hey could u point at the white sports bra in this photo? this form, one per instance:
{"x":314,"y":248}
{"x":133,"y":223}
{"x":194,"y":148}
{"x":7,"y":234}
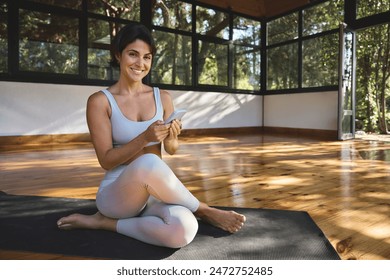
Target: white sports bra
{"x":125,"y":130}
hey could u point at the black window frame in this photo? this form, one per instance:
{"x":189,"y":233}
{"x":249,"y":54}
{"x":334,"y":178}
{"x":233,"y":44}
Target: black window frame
{"x":14,"y":74}
{"x":350,"y":18}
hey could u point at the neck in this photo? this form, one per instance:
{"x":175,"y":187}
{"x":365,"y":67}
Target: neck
{"x":133,"y":88}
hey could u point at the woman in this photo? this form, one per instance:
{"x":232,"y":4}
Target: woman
{"x":140,"y":196}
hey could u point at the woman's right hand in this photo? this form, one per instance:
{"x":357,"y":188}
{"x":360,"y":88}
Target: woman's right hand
{"x":157,"y":131}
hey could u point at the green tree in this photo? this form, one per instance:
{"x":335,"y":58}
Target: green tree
{"x":373,"y":79}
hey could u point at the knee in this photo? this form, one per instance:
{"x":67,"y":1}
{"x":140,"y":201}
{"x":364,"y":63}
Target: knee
{"x":147,"y":164}
{"x":183,"y":231}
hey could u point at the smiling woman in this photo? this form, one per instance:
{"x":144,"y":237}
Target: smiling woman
{"x":140,"y":196}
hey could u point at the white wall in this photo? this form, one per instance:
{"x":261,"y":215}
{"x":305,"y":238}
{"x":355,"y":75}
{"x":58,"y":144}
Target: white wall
{"x":41,"y":109}
{"x":304,"y":110}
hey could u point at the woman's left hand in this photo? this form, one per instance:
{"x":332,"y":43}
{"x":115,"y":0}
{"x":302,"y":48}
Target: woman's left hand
{"x":174,"y":130}
{"x":171,"y":143}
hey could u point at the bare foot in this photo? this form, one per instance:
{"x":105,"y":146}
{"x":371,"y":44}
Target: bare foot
{"x":96,"y":221}
{"x":227,"y":220}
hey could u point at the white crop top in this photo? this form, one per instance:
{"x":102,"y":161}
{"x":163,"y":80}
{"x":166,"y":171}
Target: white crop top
{"x":125,"y":130}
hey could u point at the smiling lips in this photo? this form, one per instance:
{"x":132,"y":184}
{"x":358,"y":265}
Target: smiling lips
{"x":137,"y":71}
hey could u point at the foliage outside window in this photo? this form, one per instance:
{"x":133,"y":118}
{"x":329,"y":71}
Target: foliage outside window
{"x":72,"y":4}
{"x":129,"y":10}
{"x":323,"y":17}
{"x":213,"y":64}
{"x":282,"y":67}
{"x":212,"y":23}
{"x":48,"y":43}
{"x":3,"y":39}
{"x":320,"y":61}
{"x":282,"y":29}
{"x":246,"y":68}
{"x":246,"y":53}
{"x":172,"y":14}
{"x":100,"y":34}
{"x":372,"y":7}
{"x":373,"y":79}
{"x":246,"y":31}
{"x":172,"y":63}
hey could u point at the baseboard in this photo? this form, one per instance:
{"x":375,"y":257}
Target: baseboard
{"x":9,"y":143}
{"x":82,"y":139}
{"x":222,"y":131}
{"x":319,"y":134}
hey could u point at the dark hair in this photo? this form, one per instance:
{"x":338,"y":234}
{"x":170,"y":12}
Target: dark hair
{"x":128,"y":34}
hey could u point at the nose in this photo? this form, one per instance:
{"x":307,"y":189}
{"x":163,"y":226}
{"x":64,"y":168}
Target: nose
{"x":138,"y":61}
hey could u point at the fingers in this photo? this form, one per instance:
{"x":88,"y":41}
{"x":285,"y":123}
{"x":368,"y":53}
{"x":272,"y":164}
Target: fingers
{"x":175,"y":128}
{"x":157,"y":131}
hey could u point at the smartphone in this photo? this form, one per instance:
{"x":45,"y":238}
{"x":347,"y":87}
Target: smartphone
{"x":177,"y":114}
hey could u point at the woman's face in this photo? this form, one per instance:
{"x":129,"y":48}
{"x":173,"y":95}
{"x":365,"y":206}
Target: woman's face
{"x":135,"y":60}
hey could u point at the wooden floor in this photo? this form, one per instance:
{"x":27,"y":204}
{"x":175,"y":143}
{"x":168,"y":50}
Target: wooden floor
{"x":344,"y":186}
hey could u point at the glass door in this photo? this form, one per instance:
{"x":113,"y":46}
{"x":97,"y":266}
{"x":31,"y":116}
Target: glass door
{"x":346,"y":102}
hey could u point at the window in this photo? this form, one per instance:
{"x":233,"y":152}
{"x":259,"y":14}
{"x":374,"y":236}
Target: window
{"x":246,"y":68}
{"x":246,"y":54}
{"x":172,"y":63}
{"x":48,"y":42}
{"x":100,"y":34}
{"x":282,"y":29}
{"x":212,"y":23}
{"x":129,"y":10}
{"x":320,"y":61}
{"x":246,"y":31}
{"x":323,"y":17}
{"x":282,"y":67}
{"x":372,"y":7}
{"x":3,"y":38}
{"x":213,"y":64}
{"x":173,"y":14}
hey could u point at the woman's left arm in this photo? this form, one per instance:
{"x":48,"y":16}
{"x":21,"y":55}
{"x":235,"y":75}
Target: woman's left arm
{"x":171,"y":142}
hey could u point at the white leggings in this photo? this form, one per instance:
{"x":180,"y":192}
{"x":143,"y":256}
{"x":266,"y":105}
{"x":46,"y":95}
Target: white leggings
{"x":150,"y":203}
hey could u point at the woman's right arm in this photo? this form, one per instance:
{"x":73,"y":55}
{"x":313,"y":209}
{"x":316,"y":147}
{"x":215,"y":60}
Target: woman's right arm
{"x":99,"y":124}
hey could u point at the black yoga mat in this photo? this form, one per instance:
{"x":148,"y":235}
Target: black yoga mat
{"x":28,"y":223}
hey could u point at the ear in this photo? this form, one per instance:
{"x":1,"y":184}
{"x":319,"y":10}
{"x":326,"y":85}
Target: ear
{"x":118,"y":57}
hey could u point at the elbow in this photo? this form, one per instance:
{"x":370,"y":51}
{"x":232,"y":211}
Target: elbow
{"x":105,"y":165}
{"x":171,"y":147}
{"x":171,"y":150}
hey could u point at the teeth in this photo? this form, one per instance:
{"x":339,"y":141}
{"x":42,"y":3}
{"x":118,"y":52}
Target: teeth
{"x":136,"y":70}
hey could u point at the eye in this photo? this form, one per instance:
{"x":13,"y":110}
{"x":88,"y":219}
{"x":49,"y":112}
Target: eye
{"x":148,"y":57}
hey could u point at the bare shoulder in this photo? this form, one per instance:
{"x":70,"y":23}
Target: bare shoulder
{"x":165,"y":97}
{"x":97,"y":97}
{"x":98,"y":101}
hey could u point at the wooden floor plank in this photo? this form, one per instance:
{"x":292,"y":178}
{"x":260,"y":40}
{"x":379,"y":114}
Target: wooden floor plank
{"x":344,"y":186}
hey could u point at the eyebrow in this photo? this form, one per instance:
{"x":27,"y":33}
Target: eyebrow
{"x":133,"y":50}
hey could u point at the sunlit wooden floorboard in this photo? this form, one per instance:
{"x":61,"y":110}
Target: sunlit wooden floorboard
{"x":344,"y":186}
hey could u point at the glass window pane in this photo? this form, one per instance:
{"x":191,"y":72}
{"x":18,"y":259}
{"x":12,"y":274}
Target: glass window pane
{"x":323,"y":17}
{"x":72,"y":4}
{"x":320,"y":61}
{"x":282,"y":29}
{"x":372,"y":7}
{"x":246,"y":71}
{"x":212,"y":23}
{"x":3,"y":38}
{"x":116,"y":8}
{"x":246,"y":31}
{"x":213,"y":64}
{"x":100,"y":34}
{"x":173,"y":14}
{"x":282,"y":67}
{"x":172,"y":63}
{"x":48,"y":43}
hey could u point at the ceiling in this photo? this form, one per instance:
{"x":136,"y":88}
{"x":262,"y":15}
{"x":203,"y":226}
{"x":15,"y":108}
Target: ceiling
{"x":258,"y":8}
